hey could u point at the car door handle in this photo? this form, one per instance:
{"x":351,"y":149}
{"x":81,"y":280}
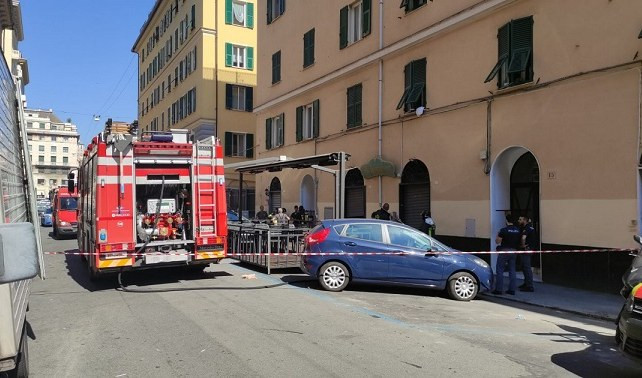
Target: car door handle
{"x":350,"y":244}
{"x":430,"y":254}
{"x":401,"y":253}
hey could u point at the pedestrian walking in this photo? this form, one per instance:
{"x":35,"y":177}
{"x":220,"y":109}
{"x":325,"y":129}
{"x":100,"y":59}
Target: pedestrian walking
{"x":382,"y":213}
{"x":509,"y":239}
{"x":529,"y":243}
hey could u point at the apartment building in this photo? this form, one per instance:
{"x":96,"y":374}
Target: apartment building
{"x":467,"y":109}
{"x":54,"y":148}
{"x":197,"y":71}
{"x":11,"y":35}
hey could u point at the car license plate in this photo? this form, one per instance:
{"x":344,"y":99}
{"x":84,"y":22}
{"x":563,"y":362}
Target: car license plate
{"x":156,"y":259}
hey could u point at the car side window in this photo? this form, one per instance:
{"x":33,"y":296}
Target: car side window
{"x":370,"y":232}
{"x":407,"y":238}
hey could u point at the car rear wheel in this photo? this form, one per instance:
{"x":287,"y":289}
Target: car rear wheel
{"x":462,"y":286}
{"x":334,"y":276}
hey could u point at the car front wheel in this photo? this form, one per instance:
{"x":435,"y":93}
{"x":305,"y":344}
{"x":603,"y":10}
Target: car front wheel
{"x":462,"y":286}
{"x":334,"y":276}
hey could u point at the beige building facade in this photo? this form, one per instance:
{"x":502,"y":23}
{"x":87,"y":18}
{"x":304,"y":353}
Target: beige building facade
{"x":197,"y":71}
{"x":466,"y":109}
{"x":54,"y":148}
{"x":11,"y":35}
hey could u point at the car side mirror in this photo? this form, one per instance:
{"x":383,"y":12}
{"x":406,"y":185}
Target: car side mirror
{"x":18,"y":252}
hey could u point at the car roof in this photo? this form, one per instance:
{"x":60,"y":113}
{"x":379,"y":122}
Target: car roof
{"x":335,"y":222}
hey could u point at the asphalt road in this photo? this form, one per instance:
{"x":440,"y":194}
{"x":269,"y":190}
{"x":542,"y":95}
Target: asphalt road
{"x":295,"y":329}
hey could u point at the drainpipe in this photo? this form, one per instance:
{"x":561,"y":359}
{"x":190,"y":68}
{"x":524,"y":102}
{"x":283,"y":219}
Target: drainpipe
{"x":380,"y":139}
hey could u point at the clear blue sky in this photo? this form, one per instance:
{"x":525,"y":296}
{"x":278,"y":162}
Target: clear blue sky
{"x":80,"y":59}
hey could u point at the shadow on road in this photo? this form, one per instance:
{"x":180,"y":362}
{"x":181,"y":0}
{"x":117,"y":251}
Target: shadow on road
{"x":600,"y":358}
{"x":77,"y":269}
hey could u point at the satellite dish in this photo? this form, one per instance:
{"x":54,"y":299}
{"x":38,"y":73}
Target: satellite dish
{"x":420,"y":111}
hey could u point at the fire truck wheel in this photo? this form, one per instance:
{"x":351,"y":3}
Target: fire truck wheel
{"x":93,"y":275}
{"x":22,"y":362}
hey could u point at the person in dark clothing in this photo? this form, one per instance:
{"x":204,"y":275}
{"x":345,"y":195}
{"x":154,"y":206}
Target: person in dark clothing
{"x":296,"y":219}
{"x":262,"y":214}
{"x":428,"y":225}
{"x":509,"y":239}
{"x":382,"y":213}
{"x":529,"y":243}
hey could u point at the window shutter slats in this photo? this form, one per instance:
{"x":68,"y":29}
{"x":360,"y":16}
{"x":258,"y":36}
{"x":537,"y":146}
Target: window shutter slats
{"x":268,"y":133}
{"x":299,"y":123}
{"x":269,"y":11}
{"x":521,"y":33}
{"x":282,"y":130}
{"x":366,"y":17}
{"x":249,"y":99}
{"x":250,"y":58}
{"x":343,"y":27}
{"x":357,"y":105}
{"x":228,"y":55}
{"x":503,"y":40}
{"x":249,"y":145}
{"x":228,"y":143}
{"x":249,"y":16}
{"x":350,"y":111}
{"x":228,"y":96}
{"x":315,"y":119}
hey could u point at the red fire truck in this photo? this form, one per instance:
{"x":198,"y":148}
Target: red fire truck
{"x":151,"y":201}
{"x":64,"y":215}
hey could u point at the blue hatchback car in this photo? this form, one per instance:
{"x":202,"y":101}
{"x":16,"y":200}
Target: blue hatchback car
{"x":398,"y":255}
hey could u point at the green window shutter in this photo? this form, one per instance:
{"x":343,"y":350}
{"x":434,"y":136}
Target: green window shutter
{"x":350,"y":110}
{"x":311,"y":46}
{"x":299,"y":123}
{"x":250,"y":58}
{"x":228,"y":55}
{"x":228,"y":12}
{"x":269,"y":11}
{"x":194,"y":59}
{"x":407,"y":71}
{"x":503,"y":51}
{"x":417,"y":95}
{"x":343,"y":27}
{"x":282,"y":6}
{"x":521,"y":47}
{"x":249,"y":145}
{"x":268,"y":133}
{"x":315,"y":119}
{"x":357,"y":105}
{"x":276,"y":67}
{"x":249,"y":15}
{"x":249,"y":99}
{"x":228,"y":96}
{"x":228,"y":144}
{"x":193,"y":21}
{"x":366,"y":17}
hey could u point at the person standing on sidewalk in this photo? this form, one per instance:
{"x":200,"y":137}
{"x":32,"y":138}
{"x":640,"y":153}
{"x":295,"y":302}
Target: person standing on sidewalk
{"x":508,"y":239}
{"x":382,"y":213}
{"x":529,"y":243}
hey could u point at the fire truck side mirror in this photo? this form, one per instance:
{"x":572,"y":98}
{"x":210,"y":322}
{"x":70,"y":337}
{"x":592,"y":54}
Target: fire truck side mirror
{"x":18,"y":252}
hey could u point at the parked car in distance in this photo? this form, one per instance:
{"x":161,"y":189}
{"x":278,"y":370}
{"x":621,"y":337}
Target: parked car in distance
{"x":45,"y":218}
{"x":399,"y":255}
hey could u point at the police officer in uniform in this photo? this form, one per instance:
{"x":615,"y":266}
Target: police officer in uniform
{"x":382,"y":213}
{"x":508,"y":239}
{"x":529,"y":242}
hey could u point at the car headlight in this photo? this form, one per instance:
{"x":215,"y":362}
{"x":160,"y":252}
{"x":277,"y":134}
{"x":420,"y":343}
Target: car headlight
{"x":481,"y":263}
{"x":63,"y":223}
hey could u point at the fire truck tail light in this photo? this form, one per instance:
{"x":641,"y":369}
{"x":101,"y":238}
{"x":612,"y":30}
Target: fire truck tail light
{"x":116,"y":247}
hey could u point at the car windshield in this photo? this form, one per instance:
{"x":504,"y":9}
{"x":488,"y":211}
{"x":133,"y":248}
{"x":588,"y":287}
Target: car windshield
{"x":68,"y":203}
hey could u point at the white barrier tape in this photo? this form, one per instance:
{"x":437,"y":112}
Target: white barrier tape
{"x":128,"y":255}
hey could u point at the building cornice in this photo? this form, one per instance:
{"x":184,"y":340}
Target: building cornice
{"x":477,"y":11}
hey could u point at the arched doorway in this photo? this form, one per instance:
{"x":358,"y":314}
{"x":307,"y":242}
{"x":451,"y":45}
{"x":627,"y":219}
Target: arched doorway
{"x":515,"y":188}
{"x":414,"y":193}
{"x":355,"y":194}
{"x":308,"y":197}
{"x":274,"y":197}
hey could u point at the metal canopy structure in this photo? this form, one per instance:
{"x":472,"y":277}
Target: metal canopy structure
{"x":319,"y":162}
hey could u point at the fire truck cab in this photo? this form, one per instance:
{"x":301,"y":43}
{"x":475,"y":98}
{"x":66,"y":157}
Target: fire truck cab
{"x":64,"y":212}
{"x":151,"y":201}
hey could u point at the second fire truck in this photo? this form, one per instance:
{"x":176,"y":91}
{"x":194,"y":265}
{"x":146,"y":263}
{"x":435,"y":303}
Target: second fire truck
{"x":150,"y":201}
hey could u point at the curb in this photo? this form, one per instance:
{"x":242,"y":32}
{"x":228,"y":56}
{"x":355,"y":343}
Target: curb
{"x":574,"y":312}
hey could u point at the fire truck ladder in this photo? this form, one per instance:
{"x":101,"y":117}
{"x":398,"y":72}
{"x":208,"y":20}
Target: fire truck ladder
{"x":205,"y":150}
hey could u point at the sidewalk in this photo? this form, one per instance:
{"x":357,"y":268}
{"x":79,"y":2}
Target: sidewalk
{"x":582,"y":302}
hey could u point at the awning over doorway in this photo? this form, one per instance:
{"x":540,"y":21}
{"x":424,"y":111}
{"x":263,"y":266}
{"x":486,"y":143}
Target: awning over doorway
{"x":378,"y":167}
